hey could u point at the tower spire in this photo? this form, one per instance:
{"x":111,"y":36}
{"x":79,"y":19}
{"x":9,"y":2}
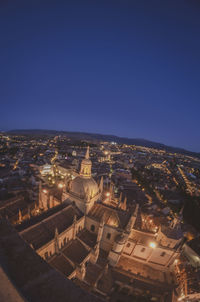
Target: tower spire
{"x":86,"y":165}
{"x":87,"y":154}
{"x":101,"y":185}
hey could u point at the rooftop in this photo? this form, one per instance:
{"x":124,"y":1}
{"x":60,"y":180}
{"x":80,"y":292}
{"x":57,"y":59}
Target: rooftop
{"x":62,"y":264}
{"x":76,"y":251}
{"x":87,"y":237}
{"x":33,"y":278}
{"x":194,"y":244}
{"x":112,"y":217}
{"x":44,"y":231}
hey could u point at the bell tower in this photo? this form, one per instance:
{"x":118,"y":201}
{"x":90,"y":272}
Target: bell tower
{"x":86,"y":165}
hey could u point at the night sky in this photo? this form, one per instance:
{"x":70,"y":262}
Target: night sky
{"x":130,"y":68}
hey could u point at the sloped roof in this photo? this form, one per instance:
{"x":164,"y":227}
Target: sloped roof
{"x":138,"y":222}
{"x":194,"y":244}
{"x":33,"y":278}
{"x":76,"y":251}
{"x":173,"y":233}
{"x":87,"y":237}
{"x":42,"y":233}
{"x":62,"y":264}
{"x":142,"y":237}
{"x":112,"y":216}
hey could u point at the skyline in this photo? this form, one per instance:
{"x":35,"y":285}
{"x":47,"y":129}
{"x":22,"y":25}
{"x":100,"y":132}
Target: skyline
{"x":115,"y":138}
{"x":130,"y":69}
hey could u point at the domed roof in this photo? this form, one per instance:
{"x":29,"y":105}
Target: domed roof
{"x":84,"y":187}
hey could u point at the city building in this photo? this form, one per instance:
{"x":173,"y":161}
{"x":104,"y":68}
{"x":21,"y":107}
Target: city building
{"x":88,"y":232}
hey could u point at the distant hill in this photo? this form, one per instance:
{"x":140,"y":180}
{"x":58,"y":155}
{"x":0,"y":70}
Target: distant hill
{"x":104,"y":137}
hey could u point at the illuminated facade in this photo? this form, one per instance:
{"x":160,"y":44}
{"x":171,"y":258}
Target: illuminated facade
{"x":86,"y":224}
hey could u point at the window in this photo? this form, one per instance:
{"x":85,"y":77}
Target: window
{"x":92,"y":228}
{"x":128,"y":245}
{"x":162,"y":254}
{"x":64,"y":242}
{"x":108,"y":236}
{"x":142,"y":250}
{"x":79,"y":228}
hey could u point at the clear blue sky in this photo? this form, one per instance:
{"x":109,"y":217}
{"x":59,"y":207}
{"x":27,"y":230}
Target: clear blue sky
{"x":130,"y":68}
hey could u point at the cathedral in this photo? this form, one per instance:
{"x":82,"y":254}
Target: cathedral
{"x":91,"y":238}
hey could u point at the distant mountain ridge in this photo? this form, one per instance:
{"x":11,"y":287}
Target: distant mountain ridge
{"x":105,"y":137}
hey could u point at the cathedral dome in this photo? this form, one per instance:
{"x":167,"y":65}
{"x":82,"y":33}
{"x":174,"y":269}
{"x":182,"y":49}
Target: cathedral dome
{"x":84,"y":187}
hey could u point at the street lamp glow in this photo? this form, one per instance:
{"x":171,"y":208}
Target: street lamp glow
{"x":108,"y":194}
{"x":152,"y":245}
{"x":45,"y":191}
{"x":60,"y":186}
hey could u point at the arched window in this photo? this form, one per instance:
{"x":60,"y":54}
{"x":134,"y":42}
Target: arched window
{"x":92,"y":228}
{"x":64,"y":242}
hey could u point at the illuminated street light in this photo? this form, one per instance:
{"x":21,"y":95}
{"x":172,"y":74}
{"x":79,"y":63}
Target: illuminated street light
{"x":45,"y":191}
{"x":152,"y":245}
{"x":108,"y":194}
{"x":60,"y":186}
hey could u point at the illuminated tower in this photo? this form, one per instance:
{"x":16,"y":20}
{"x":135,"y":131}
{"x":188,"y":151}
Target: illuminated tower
{"x":86,"y":165}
